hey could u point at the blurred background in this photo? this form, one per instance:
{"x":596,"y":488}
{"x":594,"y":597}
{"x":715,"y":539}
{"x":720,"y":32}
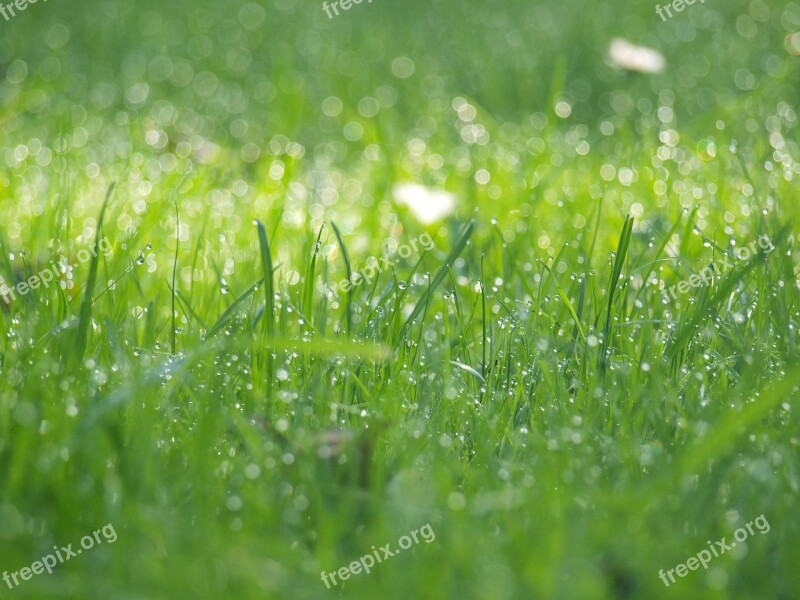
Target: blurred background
{"x":265,"y":102}
{"x":240,"y":110}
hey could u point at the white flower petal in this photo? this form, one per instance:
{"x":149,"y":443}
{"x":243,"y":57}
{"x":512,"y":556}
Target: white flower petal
{"x":427,"y":205}
{"x":625,"y":55}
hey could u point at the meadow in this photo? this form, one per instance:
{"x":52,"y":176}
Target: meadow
{"x":235,"y":389}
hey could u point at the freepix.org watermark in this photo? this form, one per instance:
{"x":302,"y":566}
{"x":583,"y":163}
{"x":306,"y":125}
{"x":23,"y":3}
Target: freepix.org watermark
{"x":50,"y":561}
{"x":726,"y":263}
{"x":717,"y":548}
{"x":677,"y":5}
{"x":47,"y":276}
{"x":344,"y":4}
{"x":12,"y":8}
{"x":366,"y":562}
{"x":375,"y":266}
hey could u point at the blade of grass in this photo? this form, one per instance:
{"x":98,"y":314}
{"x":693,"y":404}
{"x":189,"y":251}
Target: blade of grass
{"x":483,"y":321}
{"x":440,"y":275}
{"x":727,"y":284}
{"x":308,"y":291}
{"x":173,"y":290}
{"x":576,"y":319}
{"x":269,"y":298}
{"x":226,"y":316}
{"x":85,"y":315}
{"x":616,"y":271}
{"x":349,"y":271}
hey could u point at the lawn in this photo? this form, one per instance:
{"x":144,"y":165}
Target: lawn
{"x":430,"y":300}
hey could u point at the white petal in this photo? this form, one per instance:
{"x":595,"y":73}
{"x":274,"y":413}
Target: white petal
{"x":625,"y":55}
{"x":427,"y":205}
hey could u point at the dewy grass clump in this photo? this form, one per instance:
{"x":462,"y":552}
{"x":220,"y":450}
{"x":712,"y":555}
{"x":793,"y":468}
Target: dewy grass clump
{"x":530,"y":280}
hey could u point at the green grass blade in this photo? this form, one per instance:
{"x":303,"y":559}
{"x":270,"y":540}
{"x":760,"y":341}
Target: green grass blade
{"x":576,"y":319}
{"x":269,"y":299}
{"x":616,"y":272}
{"x":349,"y":272}
{"x":85,"y":315}
{"x":440,"y":275}
{"x":308,"y":291}
{"x":269,"y":289}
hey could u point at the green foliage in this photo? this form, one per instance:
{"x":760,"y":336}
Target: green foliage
{"x":525,"y":386}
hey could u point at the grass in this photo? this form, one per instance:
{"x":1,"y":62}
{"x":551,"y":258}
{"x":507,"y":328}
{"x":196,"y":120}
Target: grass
{"x":523,"y":387}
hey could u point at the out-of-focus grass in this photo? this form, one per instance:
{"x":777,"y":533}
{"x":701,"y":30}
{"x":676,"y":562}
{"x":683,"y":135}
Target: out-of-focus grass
{"x":552,"y":460}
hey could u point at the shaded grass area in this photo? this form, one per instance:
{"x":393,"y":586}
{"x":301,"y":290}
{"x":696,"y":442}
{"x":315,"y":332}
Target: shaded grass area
{"x":523,"y":387}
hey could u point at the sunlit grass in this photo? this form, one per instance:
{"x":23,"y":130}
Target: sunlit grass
{"x":525,"y":386}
